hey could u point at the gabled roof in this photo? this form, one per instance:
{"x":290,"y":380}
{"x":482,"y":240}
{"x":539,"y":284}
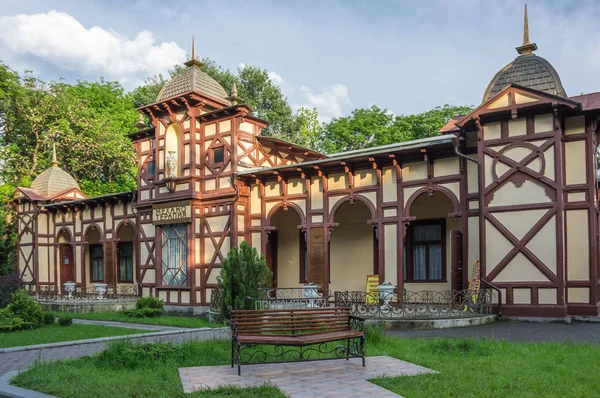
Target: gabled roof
{"x":515,"y":97}
{"x":588,"y":101}
{"x":276,"y":142}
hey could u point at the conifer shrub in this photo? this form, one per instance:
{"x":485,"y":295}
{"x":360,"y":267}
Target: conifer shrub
{"x":243,"y":275}
{"x":47,"y":318}
{"x":65,"y":321}
{"x":22,"y":313}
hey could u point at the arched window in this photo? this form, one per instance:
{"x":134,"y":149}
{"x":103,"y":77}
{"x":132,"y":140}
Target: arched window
{"x":173,"y":146}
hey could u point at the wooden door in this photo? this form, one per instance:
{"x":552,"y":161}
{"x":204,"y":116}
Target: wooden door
{"x":66,"y":263}
{"x":457,"y":261}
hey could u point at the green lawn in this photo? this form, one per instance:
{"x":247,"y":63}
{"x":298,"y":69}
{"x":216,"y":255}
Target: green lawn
{"x":165,"y":320}
{"x":468,"y":368}
{"x":56,"y":333}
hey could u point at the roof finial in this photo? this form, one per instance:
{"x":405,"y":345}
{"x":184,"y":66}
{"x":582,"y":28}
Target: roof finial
{"x":54,"y":161}
{"x":193,"y":61}
{"x":527,"y":47}
{"x":234,"y":95}
{"x":141,"y":124}
{"x":525,"y":28}
{"x":194,"y":41}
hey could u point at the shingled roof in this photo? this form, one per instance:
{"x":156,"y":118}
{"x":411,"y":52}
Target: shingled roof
{"x":193,"y":79}
{"x":530,"y":71}
{"x":527,"y":70}
{"x":54,"y":179}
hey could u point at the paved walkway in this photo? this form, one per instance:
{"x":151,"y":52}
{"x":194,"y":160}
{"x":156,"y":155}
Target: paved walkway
{"x":332,"y":379}
{"x":516,"y":331}
{"x":139,"y":326}
{"x":22,"y":359}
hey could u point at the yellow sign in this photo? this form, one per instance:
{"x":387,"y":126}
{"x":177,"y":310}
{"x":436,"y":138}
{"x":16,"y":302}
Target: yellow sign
{"x":372,"y":292}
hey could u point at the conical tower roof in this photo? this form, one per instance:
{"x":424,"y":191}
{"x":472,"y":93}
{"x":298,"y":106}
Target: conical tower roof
{"x":54,"y":179}
{"x":527,"y":69}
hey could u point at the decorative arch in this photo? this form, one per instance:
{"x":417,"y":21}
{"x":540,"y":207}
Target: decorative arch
{"x":285,"y":207}
{"x":174,"y":143}
{"x":122,"y":224}
{"x":448,"y":193}
{"x":351,"y":199}
{"x":67,"y":231}
{"x":89,"y":228}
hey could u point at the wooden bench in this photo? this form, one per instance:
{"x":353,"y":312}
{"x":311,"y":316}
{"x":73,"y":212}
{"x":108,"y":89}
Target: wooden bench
{"x":306,"y":330}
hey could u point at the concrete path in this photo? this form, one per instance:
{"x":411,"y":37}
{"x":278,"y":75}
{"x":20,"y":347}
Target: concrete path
{"x":22,"y":359}
{"x":330,"y":379}
{"x":127,"y":325}
{"x":515,"y":331}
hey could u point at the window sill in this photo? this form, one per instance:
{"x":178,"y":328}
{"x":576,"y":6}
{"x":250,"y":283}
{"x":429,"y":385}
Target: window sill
{"x":174,"y":287}
{"x":421,"y":281}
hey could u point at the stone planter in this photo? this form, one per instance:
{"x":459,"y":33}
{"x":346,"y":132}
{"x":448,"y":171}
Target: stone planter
{"x":100,"y":290}
{"x":386,"y":292}
{"x":311,"y":292}
{"x":69,"y":288}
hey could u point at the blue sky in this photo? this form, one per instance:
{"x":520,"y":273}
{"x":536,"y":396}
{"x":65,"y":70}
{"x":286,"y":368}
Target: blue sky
{"x":406,"y":56}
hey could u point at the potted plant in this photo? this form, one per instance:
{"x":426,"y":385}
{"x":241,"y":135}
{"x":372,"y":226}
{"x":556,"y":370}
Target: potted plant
{"x":386,"y":292}
{"x":311,"y":292}
{"x":100,"y":290}
{"x":69,"y":287}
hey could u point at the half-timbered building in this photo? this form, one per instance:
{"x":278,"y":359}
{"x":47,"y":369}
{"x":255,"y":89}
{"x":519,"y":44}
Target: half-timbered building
{"x":512,"y":184}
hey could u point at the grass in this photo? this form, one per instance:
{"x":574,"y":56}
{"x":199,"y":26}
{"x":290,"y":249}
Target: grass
{"x":126,"y":369}
{"x":165,"y":320}
{"x":468,"y":368}
{"x":56,"y":333}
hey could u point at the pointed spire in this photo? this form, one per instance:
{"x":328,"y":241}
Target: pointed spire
{"x":234,"y":95}
{"x":141,"y":124}
{"x":194,"y":60}
{"x":54,"y":161}
{"x":525,"y":28}
{"x":527,"y":47}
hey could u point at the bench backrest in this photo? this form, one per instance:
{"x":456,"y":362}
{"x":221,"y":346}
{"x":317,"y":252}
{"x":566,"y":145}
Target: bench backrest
{"x":290,"y":321}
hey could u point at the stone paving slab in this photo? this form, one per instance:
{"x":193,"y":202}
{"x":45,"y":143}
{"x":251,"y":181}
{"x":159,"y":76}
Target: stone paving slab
{"x":338,"y":378}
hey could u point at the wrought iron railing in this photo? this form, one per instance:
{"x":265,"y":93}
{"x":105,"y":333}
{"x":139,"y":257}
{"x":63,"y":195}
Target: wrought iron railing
{"x":295,"y":297}
{"x":90,"y":293}
{"x":279,"y":298}
{"x":417,"y":305}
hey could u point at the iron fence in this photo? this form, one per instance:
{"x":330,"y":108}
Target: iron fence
{"x":425,"y":304}
{"x":85,"y":294}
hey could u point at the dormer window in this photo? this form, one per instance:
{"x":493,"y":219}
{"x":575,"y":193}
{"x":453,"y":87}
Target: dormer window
{"x":218,"y":155}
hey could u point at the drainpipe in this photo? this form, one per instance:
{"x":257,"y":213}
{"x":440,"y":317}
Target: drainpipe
{"x":231,"y":231}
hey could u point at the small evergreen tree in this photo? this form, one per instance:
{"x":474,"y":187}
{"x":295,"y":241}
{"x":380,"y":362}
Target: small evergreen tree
{"x":243,"y":274}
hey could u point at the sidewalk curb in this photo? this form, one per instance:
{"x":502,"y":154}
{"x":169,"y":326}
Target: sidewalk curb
{"x":104,"y":339}
{"x":7,"y":390}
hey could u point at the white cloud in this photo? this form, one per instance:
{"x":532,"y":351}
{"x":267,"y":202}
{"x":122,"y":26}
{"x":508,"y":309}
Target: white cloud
{"x":330,"y":103}
{"x":59,"y":39}
{"x":275,"y":78}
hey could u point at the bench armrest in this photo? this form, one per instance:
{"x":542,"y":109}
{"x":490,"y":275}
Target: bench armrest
{"x":356,"y":322}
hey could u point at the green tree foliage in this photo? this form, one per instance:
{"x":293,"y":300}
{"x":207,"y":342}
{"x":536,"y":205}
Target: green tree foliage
{"x":243,"y":274}
{"x":88,"y":122}
{"x":376,"y":126}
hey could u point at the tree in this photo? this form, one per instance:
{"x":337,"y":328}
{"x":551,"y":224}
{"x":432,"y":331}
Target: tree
{"x":243,"y":274}
{"x":88,"y":122}
{"x":306,"y":130}
{"x":375,"y":126}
